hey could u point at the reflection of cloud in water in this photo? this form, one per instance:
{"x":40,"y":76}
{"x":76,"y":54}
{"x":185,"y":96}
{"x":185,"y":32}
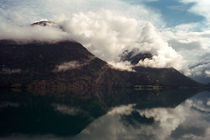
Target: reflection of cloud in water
{"x":166,"y":121}
{"x":182,"y":122}
{"x":123,"y":110}
{"x":185,"y":122}
{"x":112,"y":127}
{"x":66,"y":109}
{"x":202,"y":105}
{"x":109,"y":126}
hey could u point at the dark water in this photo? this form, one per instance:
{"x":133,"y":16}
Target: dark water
{"x":105,"y":115}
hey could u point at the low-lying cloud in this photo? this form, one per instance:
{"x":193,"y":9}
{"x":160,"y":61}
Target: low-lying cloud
{"x":70,"y":65}
{"x":106,"y":34}
{"x":31,"y":33}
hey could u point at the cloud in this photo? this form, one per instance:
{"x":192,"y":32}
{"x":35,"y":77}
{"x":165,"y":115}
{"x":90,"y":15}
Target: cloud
{"x":66,"y":66}
{"x":200,"y":7}
{"x":107,"y":34}
{"x":31,"y":33}
{"x":124,"y":66}
{"x":193,"y":47}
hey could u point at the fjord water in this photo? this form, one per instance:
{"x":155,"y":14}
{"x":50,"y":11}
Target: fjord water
{"x":123,"y":114}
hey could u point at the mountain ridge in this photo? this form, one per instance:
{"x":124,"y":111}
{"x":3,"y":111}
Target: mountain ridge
{"x":67,"y":65}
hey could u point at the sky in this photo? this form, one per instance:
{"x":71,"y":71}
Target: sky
{"x":176,"y":32}
{"x":174,"y":12}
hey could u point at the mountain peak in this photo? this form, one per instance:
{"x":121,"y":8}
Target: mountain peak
{"x":61,"y":66}
{"x":135,"y":56}
{"x":44,"y":23}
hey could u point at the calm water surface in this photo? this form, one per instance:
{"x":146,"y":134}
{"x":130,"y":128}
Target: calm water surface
{"x":105,"y":115}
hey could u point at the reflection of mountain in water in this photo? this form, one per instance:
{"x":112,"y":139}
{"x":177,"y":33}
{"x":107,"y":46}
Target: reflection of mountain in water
{"x":65,"y":115}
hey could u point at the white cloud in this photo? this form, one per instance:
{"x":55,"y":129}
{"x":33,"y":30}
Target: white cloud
{"x":189,"y":27}
{"x":193,"y":47}
{"x":107,"y":34}
{"x":73,"y":65}
{"x":200,"y":7}
{"x":68,"y":66}
{"x":31,"y":33}
{"x":121,"y":65}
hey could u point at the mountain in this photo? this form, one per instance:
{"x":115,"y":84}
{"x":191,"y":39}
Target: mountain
{"x":48,"y":24}
{"x":134,"y":56}
{"x":45,"y":67}
{"x":44,"y":23}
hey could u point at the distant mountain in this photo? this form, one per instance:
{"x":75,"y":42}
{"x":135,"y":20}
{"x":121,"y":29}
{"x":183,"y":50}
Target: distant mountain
{"x":134,"y":56}
{"x":49,"y":24}
{"x":45,"y":67}
{"x":44,"y":23}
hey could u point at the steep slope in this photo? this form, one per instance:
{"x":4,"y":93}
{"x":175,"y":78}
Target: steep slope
{"x":61,"y":66}
{"x":47,"y":65}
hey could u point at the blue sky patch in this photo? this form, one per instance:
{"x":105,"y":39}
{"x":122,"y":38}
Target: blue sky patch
{"x":173,"y":12}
